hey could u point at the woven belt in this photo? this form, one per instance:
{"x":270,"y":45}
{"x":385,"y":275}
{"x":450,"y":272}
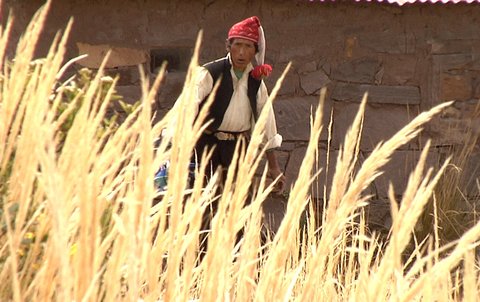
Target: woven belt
{"x":227,"y":136}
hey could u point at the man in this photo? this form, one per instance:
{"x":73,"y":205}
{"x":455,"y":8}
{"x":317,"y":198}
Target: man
{"x":241,"y":96}
{"x":238,"y":101}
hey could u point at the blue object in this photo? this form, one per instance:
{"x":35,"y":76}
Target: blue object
{"x":161,"y":177}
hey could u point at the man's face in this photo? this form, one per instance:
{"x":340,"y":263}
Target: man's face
{"x":242,"y":52}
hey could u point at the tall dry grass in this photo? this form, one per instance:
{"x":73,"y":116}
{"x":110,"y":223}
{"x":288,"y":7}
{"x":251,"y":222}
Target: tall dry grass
{"x":78,"y":222}
{"x":458,"y":194}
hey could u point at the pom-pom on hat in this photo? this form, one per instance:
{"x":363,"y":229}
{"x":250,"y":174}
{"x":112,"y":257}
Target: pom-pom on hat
{"x":250,"y":29}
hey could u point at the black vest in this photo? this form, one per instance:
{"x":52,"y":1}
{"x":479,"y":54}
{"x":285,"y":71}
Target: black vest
{"x":220,"y":69}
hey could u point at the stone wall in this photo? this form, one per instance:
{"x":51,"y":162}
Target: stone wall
{"x":408,"y":58}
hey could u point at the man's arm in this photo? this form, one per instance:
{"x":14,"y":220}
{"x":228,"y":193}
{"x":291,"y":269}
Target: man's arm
{"x":274,"y":170}
{"x":272,"y":139}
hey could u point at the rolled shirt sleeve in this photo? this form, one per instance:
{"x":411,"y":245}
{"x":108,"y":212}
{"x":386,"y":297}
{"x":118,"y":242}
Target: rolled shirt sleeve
{"x":204,"y":85}
{"x":272,"y":138}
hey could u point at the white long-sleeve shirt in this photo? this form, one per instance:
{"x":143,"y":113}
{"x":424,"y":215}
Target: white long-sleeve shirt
{"x":238,"y":116}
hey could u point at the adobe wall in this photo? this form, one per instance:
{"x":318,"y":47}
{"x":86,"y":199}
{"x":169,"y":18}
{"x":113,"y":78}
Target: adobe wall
{"x":408,"y":58}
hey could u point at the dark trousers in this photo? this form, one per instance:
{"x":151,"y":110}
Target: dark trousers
{"x":221,"y":159}
{"x":222,"y":155}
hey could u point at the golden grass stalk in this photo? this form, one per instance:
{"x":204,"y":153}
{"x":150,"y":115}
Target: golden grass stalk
{"x":85,"y":204}
{"x":272,"y":283}
{"x":458,"y":190}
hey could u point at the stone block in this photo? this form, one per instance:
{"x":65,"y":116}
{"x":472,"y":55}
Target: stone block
{"x":398,"y":170}
{"x":130,"y":94}
{"x":398,"y":69}
{"x":288,"y":145}
{"x":455,"y":125}
{"x":446,"y":131}
{"x":170,"y":89}
{"x":327,"y":67}
{"x":469,"y":109}
{"x":476,"y":88}
{"x":128,"y":75}
{"x":400,"y":95}
{"x":476,"y":46}
{"x":293,"y":168}
{"x":325,"y":170}
{"x":288,"y":53}
{"x":461,"y":178}
{"x":293,"y":117}
{"x":290,"y":84}
{"x":309,"y":67}
{"x":388,"y":41}
{"x":380,"y":123}
{"x":451,"y":26}
{"x":453,"y":61}
{"x":361,"y":70}
{"x":474,"y":65}
{"x":314,"y":81}
{"x":274,"y":208}
{"x":378,"y":215}
{"x":470,"y":181}
{"x":454,"y":46}
{"x":455,"y":87}
{"x":119,"y":56}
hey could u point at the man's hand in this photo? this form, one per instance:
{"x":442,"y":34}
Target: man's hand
{"x":274,"y":172}
{"x":280,"y":185}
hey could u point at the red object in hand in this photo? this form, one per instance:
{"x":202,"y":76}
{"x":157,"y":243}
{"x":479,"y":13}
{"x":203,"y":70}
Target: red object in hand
{"x":261,"y":71}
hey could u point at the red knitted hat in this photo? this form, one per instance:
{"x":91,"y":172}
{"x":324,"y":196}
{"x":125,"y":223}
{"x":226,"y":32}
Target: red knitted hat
{"x":246,"y":29}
